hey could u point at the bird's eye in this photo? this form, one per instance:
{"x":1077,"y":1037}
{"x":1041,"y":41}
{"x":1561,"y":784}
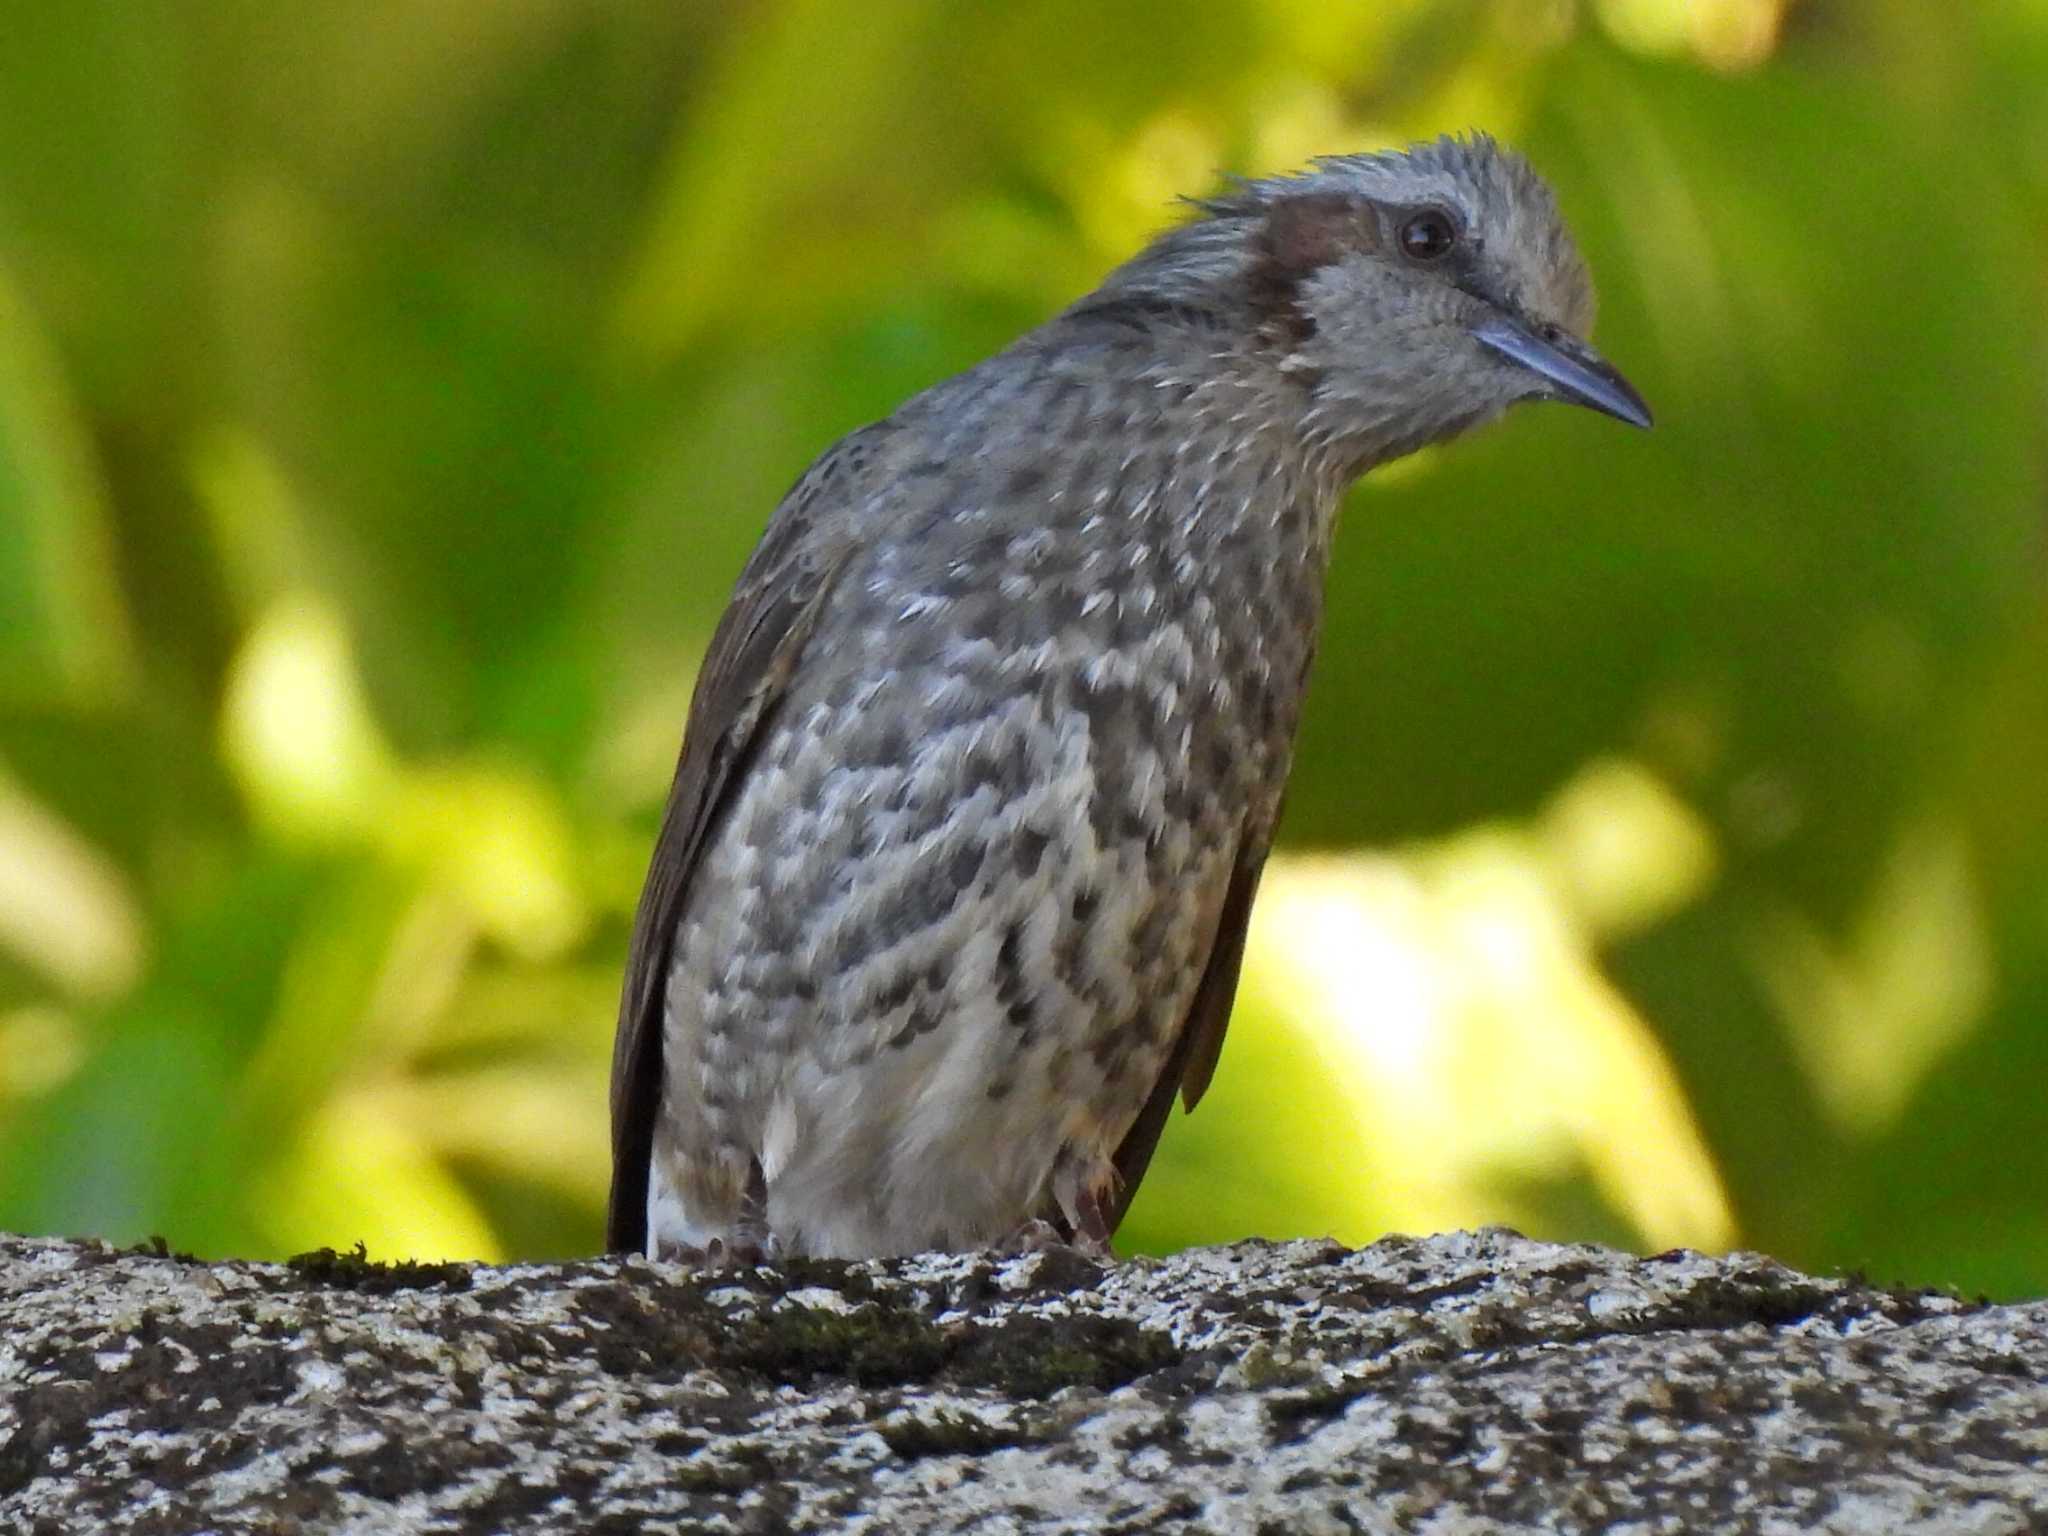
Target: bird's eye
{"x":1428,"y":235}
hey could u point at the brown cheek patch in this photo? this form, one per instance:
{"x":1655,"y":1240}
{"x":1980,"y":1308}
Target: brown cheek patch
{"x":1301,"y":236}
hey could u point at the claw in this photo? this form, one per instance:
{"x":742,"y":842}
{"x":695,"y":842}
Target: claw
{"x":1091,"y":1230}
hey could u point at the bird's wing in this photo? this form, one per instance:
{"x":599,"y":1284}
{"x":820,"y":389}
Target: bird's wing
{"x":1200,"y":1042}
{"x":745,"y":674}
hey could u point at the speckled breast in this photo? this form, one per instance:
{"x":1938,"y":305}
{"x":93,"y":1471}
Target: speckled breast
{"x":957,"y":911}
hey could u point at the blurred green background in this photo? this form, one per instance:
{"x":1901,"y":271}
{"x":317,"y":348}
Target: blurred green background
{"x":390,"y":392}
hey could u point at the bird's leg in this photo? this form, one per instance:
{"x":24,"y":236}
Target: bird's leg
{"x":1091,"y":1226}
{"x":751,"y":1243}
{"x":1082,"y":1186}
{"x":745,"y":1243}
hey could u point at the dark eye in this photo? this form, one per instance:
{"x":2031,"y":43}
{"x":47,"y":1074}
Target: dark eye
{"x":1428,"y":235}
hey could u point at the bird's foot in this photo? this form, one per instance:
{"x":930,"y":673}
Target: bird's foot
{"x":1038,"y":1235}
{"x":1083,"y":1192}
{"x":740,"y":1251}
{"x":1034,"y":1236}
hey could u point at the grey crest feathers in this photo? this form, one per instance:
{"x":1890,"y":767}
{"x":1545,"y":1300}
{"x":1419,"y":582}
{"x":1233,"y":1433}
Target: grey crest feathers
{"x":988,"y":751}
{"x":1528,"y":260}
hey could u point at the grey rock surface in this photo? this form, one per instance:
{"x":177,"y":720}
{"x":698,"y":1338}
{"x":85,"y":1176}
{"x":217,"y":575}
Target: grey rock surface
{"x":1469,"y":1383}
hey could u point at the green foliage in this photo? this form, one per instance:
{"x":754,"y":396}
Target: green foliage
{"x":388,"y":398}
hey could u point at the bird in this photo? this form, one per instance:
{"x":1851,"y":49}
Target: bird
{"x":949,"y":898}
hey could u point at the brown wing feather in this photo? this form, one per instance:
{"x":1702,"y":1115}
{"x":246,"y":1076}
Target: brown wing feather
{"x":746,"y":671}
{"x":1200,"y":1042}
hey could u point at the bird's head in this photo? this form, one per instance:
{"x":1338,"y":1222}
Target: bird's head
{"x":1427,"y":291}
{"x":1415,"y":293}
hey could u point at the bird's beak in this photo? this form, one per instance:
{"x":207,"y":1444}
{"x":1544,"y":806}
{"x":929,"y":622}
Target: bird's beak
{"x":1570,"y":370}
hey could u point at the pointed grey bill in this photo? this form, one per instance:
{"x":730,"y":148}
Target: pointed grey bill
{"x":1573,"y":371}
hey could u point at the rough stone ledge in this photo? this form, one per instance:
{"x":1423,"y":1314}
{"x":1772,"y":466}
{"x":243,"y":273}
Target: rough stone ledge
{"x":1470,"y":1383}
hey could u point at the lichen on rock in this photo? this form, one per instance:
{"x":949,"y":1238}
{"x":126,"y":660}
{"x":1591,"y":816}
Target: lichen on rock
{"x":1475,"y":1382}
